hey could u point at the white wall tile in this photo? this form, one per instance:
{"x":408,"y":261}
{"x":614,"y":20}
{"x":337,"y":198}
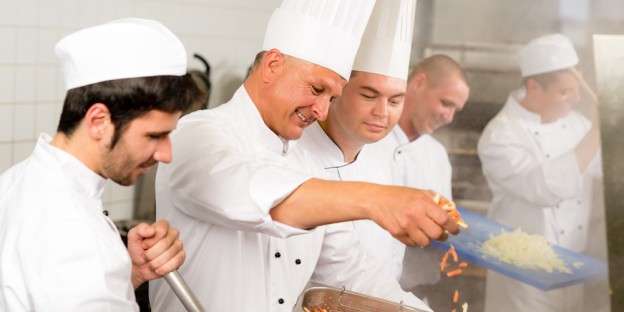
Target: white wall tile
{"x":22,"y":150}
{"x":25,"y":78}
{"x":46,"y":85}
{"x":8,"y":12}
{"x":6,"y":153}
{"x":46,"y":119}
{"x":6,"y":123}
{"x":26,"y":13}
{"x":47,"y":14}
{"x":26,"y":52}
{"x":7,"y":84}
{"x":8,"y":39}
{"x":46,"y":40}
{"x":24,"y":122}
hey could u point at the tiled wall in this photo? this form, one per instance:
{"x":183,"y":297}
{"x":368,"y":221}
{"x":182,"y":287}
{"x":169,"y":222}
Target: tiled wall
{"x":228,"y":33}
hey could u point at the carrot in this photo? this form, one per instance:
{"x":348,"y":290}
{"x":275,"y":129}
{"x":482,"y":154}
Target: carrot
{"x":453,"y":253}
{"x":456,"y":296}
{"x":443,"y":263}
{"x":454,"y":272}
{"x":463,"y":264}
{"x":454,"y":310}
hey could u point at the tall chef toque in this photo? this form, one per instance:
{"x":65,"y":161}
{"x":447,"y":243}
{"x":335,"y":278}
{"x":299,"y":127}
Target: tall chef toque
{"x":387,"y":41}
{"x":546,"y":54}
{"x":323,"y":32}
{"x":125,"y":48}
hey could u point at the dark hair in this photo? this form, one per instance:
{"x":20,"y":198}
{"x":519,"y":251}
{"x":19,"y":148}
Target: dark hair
{"x":127,"y":99}
{"x":546,"y":79}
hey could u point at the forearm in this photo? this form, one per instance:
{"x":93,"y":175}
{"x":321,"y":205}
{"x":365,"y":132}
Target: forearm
{"x":317,"y":202}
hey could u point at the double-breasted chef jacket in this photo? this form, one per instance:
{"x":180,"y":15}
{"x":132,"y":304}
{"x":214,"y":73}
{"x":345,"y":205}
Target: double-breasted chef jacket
{"x":536,"y":185}
{"x":228,"y":171}
{"x":424,"y":164}
{"x":318,"y":153}
{"x":58,"y":250}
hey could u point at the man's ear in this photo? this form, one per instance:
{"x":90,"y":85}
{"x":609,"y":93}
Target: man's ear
{"x":97,"y":120}
{"x":272,"y":63}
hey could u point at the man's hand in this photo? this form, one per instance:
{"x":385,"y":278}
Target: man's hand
{"x":155,"y":250}
{"x":412,"y":216}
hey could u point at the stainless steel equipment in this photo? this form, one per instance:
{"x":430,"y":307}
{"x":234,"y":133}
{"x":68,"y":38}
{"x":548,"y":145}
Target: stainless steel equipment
{"x":184,"y":293}
{"x":341,"y":300}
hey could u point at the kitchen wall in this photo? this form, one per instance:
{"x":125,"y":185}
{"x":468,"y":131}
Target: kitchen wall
{"x":228,"y":33}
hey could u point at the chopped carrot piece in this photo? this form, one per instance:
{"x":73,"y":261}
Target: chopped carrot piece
{"x":443,"y":263}
{"x":454,"y":272}
{"x":463,"y":264}
{"x":453,"y":253}
{"x":454,"y":310}
{"x":456,"y":296}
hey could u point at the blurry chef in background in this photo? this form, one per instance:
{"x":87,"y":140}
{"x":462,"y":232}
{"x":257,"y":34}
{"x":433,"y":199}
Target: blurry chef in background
{"x":231,"y":191}
{"x":58,"y":249}
{"x":539,"y":157}
{"x":367,"y":110}
{"x":437,"y":88}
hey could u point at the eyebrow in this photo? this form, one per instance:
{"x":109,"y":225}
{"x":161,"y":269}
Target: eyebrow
{"x":377,"y":92}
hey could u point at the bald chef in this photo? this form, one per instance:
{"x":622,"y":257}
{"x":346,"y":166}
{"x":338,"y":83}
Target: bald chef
{"x":253,"y":227}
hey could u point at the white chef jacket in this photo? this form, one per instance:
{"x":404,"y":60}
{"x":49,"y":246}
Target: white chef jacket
{"x":317,"y":152}
{"x":228,"y":171}
{"x":58,"y":251}
{"x":424,"y":164}
{"x":536,"y":186}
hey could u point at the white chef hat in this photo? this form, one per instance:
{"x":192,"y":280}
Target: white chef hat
{"x":125,"y":48}
{"x":546,"y":54}
{"x":387,"y":41}
{"x":323,"y":32}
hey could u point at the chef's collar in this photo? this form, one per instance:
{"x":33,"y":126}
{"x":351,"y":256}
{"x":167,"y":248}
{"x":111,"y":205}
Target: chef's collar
{"x":250,"y":115}
{"x":524,"y":115}
{"x":76,"y":173}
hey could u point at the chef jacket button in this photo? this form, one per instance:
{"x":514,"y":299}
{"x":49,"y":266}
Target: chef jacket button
{"x":277,"y":255}
{"x":399,"y":152}
{"x":561,"y":232}
{"x":281,"y":301}
{"x":547,"y":155}
{"x":557,"y":206}
{"x":536,"y":133}
{"x":580,"y":227}
{"x":298,"y":261}
{"x":105,"y":212}
{"x":578,"y":202}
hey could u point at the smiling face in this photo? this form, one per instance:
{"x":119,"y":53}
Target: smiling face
{"x":430,"y":105}
{"x":367,"y":110}
{"x":144,"y":143}
{"x":298,"y":93}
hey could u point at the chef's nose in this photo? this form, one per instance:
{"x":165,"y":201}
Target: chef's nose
{"x":163,"y":151}
{"x":320,"y":107}
{"x":381,"y":108}
{"x":448,"y":115}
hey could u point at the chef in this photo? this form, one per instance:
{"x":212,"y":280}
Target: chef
{"x":539,"y":157}
{"x":58,"y":249}
{"x":437,"y":88}
{"x":236,"y":200}
{"x":367,"y":110}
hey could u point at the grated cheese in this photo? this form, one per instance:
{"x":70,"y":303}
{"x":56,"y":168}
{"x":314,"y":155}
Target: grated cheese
{"x":525,"y":251}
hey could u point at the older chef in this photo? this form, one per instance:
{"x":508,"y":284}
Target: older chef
{"x":58,"y":249}
{"x":367,"y":110}
{"x":538,"y":157}
{"x":231,"y":191}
